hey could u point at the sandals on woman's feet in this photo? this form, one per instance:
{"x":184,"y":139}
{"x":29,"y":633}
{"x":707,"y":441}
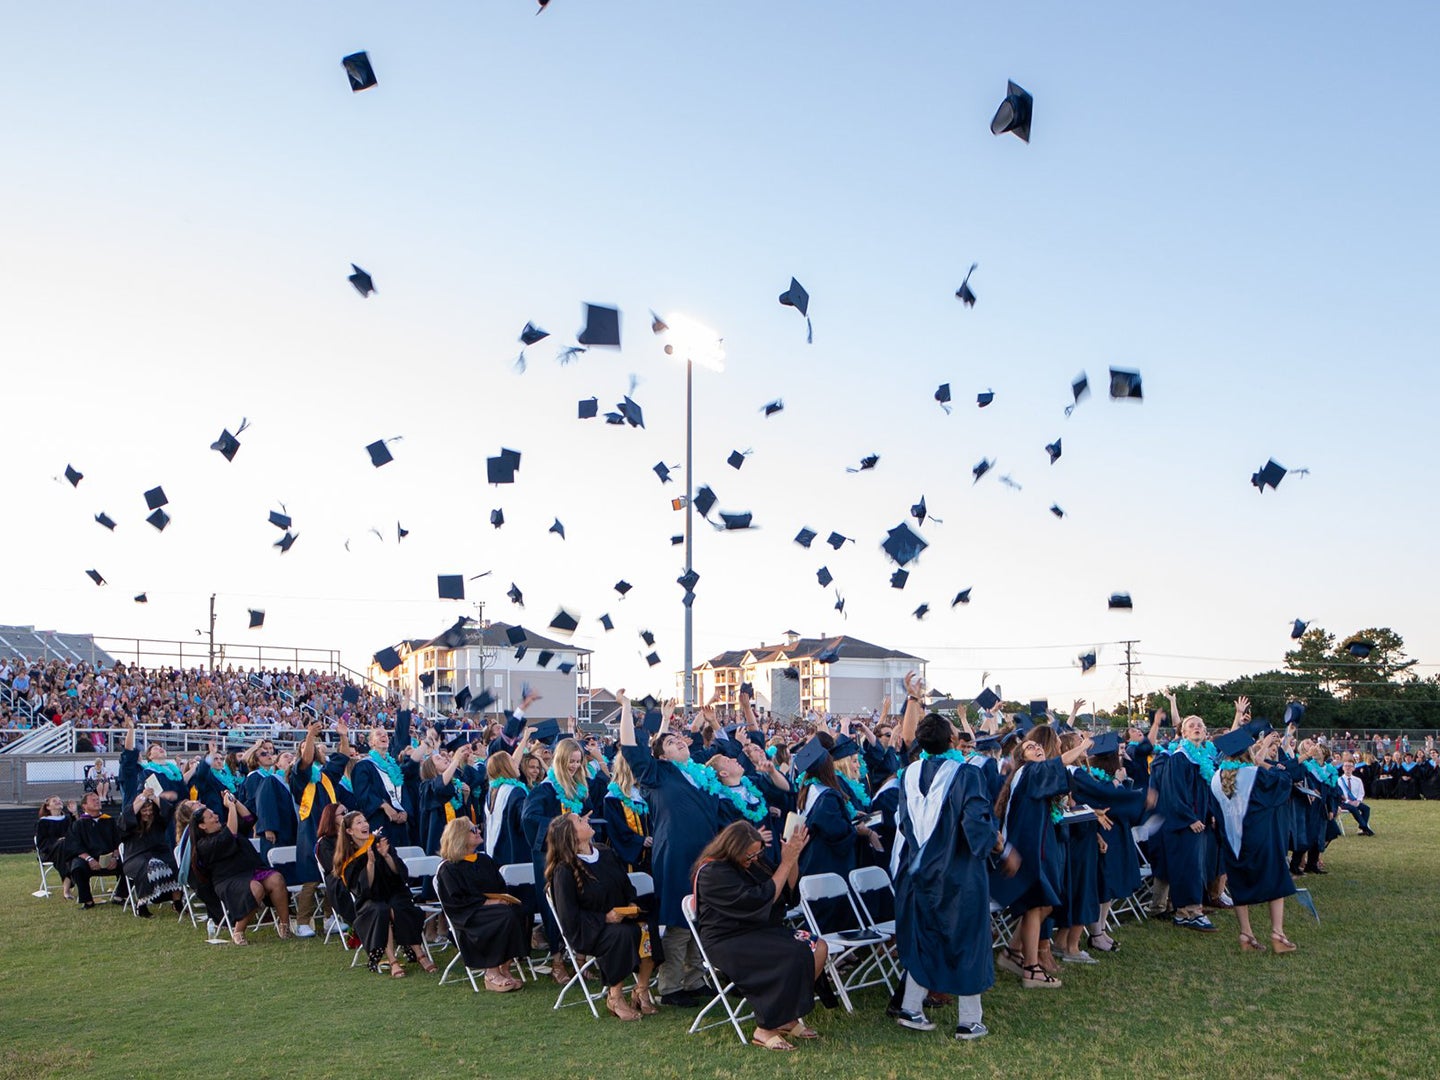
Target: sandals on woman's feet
{"x":1037,"y":978}
{"x":427,"y":965}
{"x":1104,"y":943}
{"x":283,"y":929}
{"x":771,"y":1042}
{"x":1249,"y":943}
{"x":397,"y":969}
{"x":1011,"y":961}
{"x":799,"y":1030}
{"x":1281,"y":944}
{"x":500,"y":984}
{"x":238,"y":937}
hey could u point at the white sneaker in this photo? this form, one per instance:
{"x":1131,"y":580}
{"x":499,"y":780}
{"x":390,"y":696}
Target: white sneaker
{"x":334,"y":926}
{"x":1078,"y":957}
{"x":304,"y":930}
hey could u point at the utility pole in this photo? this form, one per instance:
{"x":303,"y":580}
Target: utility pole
{"x":480,"y":627}
{"x":212,"y":633}
{"x":1129,"y":686}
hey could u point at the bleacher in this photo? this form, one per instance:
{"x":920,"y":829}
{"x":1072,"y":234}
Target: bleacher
{"x":34,"y":644}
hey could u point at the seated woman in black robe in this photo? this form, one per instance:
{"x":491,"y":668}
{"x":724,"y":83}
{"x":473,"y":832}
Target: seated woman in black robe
{"x":51,"y":829}
{"x":491,"y":926}
{"x":342,"y":904}
{"x":149,"y":862}
{"x":596,"y":909}
{"x":385,"y":912}
{"x":239,"y":878}
{"x":740,"y":912}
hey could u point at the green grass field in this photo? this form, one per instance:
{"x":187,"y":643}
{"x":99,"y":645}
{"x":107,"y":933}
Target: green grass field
{"x":102,"y":993}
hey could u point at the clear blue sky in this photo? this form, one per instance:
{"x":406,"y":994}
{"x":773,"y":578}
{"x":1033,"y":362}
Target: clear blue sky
{"x":1238,"y":202}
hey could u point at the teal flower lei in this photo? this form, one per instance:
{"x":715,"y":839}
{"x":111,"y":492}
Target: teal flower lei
{"x":858,"y":794}
{"x":1057,"y":809}
{"x":575,"y":805}
{"x":636,"y":804}
{"x":227,"y":778}
{"x":754,"y":811}
{"x":388,"y":765}
{"x":1100,"y":774}
{"x":510,"y":781}
{"x":168,"y":769}
{"x":1235,"y":765}
{"x":1201,"y":755}
{"x":458,"y":800}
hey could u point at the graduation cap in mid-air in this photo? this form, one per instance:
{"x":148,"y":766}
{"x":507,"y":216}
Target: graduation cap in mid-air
{"x":622,"y":586}
{"x":734,"y":521}
{"x":836,"y":541}
{"x":981,"y":469}
{"x":450,"y":586}
{"x":257,"y":619}
{"x":688,"y":580}
{"x":942,"y":395}
{"x":1087,"y":661}
{"x":363,"y":282}
{"x":921,"y":611}
{"x":159,"y":519}
{"x":607,"y":622}
{"x":899,"y":578}
{"x":964,"y":293}
{"x":564,"y":622}
{"x":662,"y":471}
{"x":652,"y":659}
{"x":705,"y":500}
{"x":286,"y":542}
{"x":1360,"y":649}
{"x":1270,"y":474}
{"x":532,"y":333}
{"x":543,"y":657}
{"x":379,"y":451}
{"x":1080,"y":388}
{"x":515,"y":595}
{"x":462,"y":697}
{"x":94,"y":575}
{"x":961,"y":597}
{"x":588,"y":408}
{"x":359,"y":71}
{"x":1125,"y":383}
{"x":228,"y":444}
{"x":828,"y":656}
{"x":904,"y":544}
{"x":558,"y":529}
{"x":602,"y":327}
{"x":106,"y":520}
{"x":155,"y":498}
{"x":867,"y":463}
{"x":279,"y":520}
{"x":987,"y":699}
{"x":1294,"y":713}
{"x":502,"y":468}
{"x":497,"y":517}
{"x":1120,"y":601}
{"x":1055,"y":509}
{"x":824,"y":576}
{"x":142,"y":599}
{"x":770,"y":408}
{"x":1015,"y":112}
{"x":1053,"y":449}
{"x":805,"y":537}
{"x":736,"y":459}
{"x":74,"y":475}
{"x":1297,"y":631}
{"x":387,"y":659}
{"x":427,"y":679}
{"x":984,"y":398}
{"x":632,"y":413}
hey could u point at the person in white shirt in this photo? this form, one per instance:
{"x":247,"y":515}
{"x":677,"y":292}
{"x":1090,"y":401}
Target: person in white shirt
{"x":1352,"y":798}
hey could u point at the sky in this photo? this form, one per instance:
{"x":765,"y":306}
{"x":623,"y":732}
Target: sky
{"x":1237,"y":202}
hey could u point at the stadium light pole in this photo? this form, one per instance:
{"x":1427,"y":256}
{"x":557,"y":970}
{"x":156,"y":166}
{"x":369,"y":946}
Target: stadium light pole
{"x":694,"y":343}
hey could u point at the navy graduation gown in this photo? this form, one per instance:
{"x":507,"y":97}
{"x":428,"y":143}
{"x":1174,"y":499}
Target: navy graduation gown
{"x":685,"y":819}
{"x":209,"y":789}
{"x":1040,"y":881}
{"x":1087,"y":865}
{"x":508,"y":831}
{"x":274,"y":811}
{"x":942,"y":891}
{"x":1258,"y":873}
{"x":831,"y":849}
{"x":1184,"y":798}
{"x":369,"y":793}
{"x":627,"y":831}
{"x":311,"y":800}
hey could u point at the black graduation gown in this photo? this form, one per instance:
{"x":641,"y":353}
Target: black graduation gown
{"x":685,"y":819}
{"x":581,"y":907}
{"x":740,"y":920}
{"x":1040,"y":881}
{"x":1118,"y":867}
{"x":370,"y":794}
{"x":542,"y":806}
{"x":1184,"y":798}
{"x":50,"y":835}
{"x":382,"y":901}
{"x":1429,"y":780}
{"x":311,"y":798}
{"x":1137,"y":762}
{"x":150,"y":855}
{"x":274,"y":810}
{"x":1258,"y":872}
{"x":627,"y":831}
{"x":942,"y":891}
{"x":488,"y":934}
{"x":230,"y":861}
{"x":340,"y":899}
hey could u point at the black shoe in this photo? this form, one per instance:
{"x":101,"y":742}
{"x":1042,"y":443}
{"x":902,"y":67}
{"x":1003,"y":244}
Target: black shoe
{"x":143,"y":911}
{"x":1316,"y":870}
{"x":826,"y":992}
{"x":683,"y":999}
{"x":87,"y":905}
{"x":1367,"y":832}
{"x":966,"y":1032}
{"x":117,"y":901}
{"x":916,"y":1021}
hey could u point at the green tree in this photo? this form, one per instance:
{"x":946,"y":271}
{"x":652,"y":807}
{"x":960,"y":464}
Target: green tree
{"x":1378,"y":674}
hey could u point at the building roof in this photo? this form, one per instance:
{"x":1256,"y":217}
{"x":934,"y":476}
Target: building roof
{"x":851,"y":648}
{"x":493,"y":635}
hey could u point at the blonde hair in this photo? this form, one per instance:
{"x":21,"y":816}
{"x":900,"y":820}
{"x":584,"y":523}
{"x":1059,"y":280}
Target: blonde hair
{"x":560,"y":767}
{"x":621,"y":774}
{"x":454,"y":841}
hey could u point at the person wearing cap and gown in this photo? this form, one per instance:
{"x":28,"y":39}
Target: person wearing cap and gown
{"x":377,"y":784}
{"x":627,"y":818}
{"x":947,"y":830}
{"x":1119,"y":871}
{"x":268,"y":794}
{"x":1184,"y":802}
{"x":685,"y":817}
{"x":504,"y":810}
{"x":314,"y":785}
{"x":444,"y":794}
{"x":491,"y":925}
{"x":216,"y":774}
{"x":1251,"y":796}
{"x":824,"y":804}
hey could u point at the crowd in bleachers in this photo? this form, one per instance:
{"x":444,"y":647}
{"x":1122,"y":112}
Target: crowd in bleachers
{"x":804,"y":860}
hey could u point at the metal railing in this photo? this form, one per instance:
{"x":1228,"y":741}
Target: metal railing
{"x":152,"y":652}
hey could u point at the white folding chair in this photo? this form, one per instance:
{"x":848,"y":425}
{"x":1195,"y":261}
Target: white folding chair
{"x":579,"y":969}
{"x":1135,"y":903}
{"x":424,"y":868}
{"x":458,"y":958}
{"x":875,"y":879}
{"x":410,"y":851}
{"x":1002,"y":925}
{"x":281,"y":857}
{"x":43,"y":893}
{"x":735,"y":1014}
{"x":518,"y":875}
{"x":866,"y":944}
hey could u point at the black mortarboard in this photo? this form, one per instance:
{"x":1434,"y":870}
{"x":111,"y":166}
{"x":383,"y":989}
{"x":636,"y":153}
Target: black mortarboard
{"x":1014,"y":113}
{"x":1024,"y":723}
{"x":607,"y":622}
{"x":736,"y":459}
{"x":615,"y":418}
{"x":521,"y":651}
{"x":1360,"y":649}
{"x":921,"y":611}
{"x":454,"y":637}
{"x":662,"y":471}
{"x":497,"y":517}
{"x":844,"y":747}
{"x":962,"y":597}
{"x":1121,"y":601}
{"x":792,"y":673}
{"x":1271,"y":473}
{"x":543,"y":657}
{"x":159,"y":519}
{"x":796,"y":296}
{"x":257,"y":618}
{"x":379,"y":453}
{"x":1232,"y":743}
{"x":648,"y":637}
{"x":809,"y":756}
{"x":964,"y":293}
{"x":532,"y":333}
{"x":868,"y":462}
{"x":564,"y":622}
{"x":919,"y":510}
{"x":676,"y":541}
{"x":1087,"y":661}
{"x":350,"y":695}
{"x":514,"y":725}
{"x":985,"y":397}
{"x":515,"y":635}
{"x":155,"y":498}
{"x":462,"y":698}
{"x":106,"y":520}
{"x":899,"y":578}
{"x":1294,"y":713}
{"x":981,"y":469}
{"x":633,"y":414}
{"x":565,"y":667}
{"x":1055,"y":509}
{"x":1107,"y":742}
{"x":227,"y":444}
{"x":705,"y":500}
{"x":588,"y":408}
{"x":622,"y":586}
{"x":94,"y":575}
{"x":515,"y":595}
{"x":74,"y":475}
{"x":498,"y":470}
{"x":1125,"y":384}
{"x":835,"y":540}
{"x":400,"y":532}
{"x":824,"y":576}
{"x":652,"y":659}
{"x":1039,"y":708}
{"x":987,"y":699}
{"x":1080,"y":388}
{"x":286,"y":542}
{"x":142,"y":599}
{"x":451,"y":586}
{"x":458,"y":742}
{"x":1053,"y":449}
{"x":363,"y":282}
{"x":388,"y":659}
{"x":770,"y":408}
{"x":736,"y":521}
{"x":359,"y":71}
{"x":688,"y":580}
{"x":1258,"y":727}
{"x":650,"y":722}
{"x":942,"y":395}
{"x":557,"y":528}
{"x":904,"y":544}
{"x":805,"y":537}
{"x":1297,"y":631}
{"x":602,"y":326}
{"x":748,"y":689}
{"x":279,"y":520}
{"x":986,"y":743}
{"x":427,"y":679}
{"x":828,"y":656}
